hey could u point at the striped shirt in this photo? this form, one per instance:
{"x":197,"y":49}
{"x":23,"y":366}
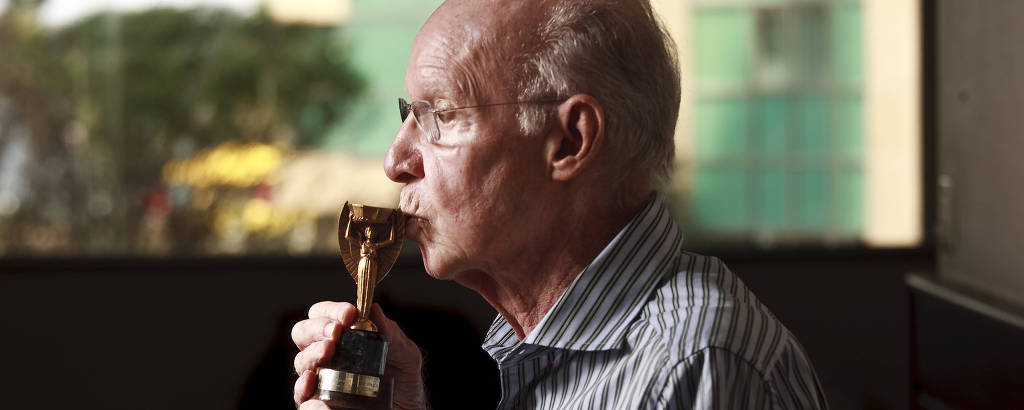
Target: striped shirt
{"x":648,"y":325}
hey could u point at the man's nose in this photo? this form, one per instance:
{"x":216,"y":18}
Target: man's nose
{"x":404,"y":162}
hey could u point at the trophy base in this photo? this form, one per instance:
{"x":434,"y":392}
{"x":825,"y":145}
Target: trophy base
{"x":338,"y":400}
{"x":354,"y":378}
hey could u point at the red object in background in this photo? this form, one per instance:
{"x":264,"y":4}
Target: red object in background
{"x":156,"y":201}
{"x":263,"y":191}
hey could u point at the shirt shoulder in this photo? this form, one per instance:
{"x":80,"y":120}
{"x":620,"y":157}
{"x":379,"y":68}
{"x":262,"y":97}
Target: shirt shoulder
{"x":714,"y":378}
{"x":703,"y":307}
{"x":715,"y":337}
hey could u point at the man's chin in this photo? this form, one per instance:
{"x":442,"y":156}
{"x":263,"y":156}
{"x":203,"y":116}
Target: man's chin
{"x":436,"y":273}
{"x":435,"y":266}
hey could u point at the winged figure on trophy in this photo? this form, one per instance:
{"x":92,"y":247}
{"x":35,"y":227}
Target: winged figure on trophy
{"x":370,"y":243}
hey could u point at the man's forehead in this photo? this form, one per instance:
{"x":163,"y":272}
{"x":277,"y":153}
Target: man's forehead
{"x":481,"y":22}
{"x":438,"y":70}
{"x":460,"y":43}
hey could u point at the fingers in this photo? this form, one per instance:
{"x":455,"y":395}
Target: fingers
{"x":304,"y":386}
{"x":343,"y":312}
{"x":404,"y":362}
{"x":315,"y":338}
{"x":314,"y":405}
{"x":313,"y":330}
{"x":386,"y":326}
{"x":326,"y":322}
{"x":313,"y":355}
{"x":404,"y":355}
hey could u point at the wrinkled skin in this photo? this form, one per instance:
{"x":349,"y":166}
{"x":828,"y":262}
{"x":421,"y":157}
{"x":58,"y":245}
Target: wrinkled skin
{"x":511,"y":216}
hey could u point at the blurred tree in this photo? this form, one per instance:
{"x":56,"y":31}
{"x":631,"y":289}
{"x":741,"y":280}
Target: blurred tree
{"x":33,"y":112}
{"x":207,"y":76}
{"x":112,"y":97}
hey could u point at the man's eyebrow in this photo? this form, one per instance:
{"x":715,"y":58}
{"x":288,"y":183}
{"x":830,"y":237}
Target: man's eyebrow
{"x":443,"y":96}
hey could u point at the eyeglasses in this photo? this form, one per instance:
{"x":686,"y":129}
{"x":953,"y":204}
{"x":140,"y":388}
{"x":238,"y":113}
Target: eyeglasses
{"x":426,"y":116}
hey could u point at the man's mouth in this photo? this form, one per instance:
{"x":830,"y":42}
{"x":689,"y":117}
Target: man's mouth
{"x":413,"y":220}
{"x":414,"y":226}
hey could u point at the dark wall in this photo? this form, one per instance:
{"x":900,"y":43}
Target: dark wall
{"x":850,"y":313}
{"x":215,"y":334}
{"x":980,"y":137}
{"x":193,"y":334}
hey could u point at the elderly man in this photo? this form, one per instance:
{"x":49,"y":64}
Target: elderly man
{"x":536,"y":133}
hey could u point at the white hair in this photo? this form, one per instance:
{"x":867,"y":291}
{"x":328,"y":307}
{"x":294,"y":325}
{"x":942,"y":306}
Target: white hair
{"x":619,"y":53}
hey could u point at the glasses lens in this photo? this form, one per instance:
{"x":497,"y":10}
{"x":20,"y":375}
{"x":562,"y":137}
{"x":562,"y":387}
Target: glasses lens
{"x":424,"y":114}
{"x":403,"y":108}
{"x":426,"y":119}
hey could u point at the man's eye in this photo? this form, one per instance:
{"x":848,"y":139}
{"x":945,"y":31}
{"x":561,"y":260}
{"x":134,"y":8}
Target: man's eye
{"x":446,"y":116}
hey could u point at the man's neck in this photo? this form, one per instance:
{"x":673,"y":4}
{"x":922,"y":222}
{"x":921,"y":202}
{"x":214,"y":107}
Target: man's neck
{"x":525,"y":289}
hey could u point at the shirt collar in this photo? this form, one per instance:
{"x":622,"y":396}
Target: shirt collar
{"x":595,"y":312}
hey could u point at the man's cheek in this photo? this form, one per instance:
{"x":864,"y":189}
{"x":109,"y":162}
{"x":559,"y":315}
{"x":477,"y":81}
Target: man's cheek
{"x":448,"y":197}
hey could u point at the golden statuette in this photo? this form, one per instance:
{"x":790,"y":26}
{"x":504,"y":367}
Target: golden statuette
{"x":370,"y":239}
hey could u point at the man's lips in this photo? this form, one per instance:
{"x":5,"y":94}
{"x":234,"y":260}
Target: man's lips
{"x":414,"y":227}
{"x":414,"y":220}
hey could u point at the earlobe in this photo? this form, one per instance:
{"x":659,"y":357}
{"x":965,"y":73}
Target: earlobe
{"x":578,"y":138}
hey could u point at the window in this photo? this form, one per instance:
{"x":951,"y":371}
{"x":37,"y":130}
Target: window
{"x":241,"y":126}
{"x":780,"y":144}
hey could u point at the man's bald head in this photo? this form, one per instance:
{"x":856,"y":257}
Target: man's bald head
{"x":483,"y":37}
{"x":527,"y":50}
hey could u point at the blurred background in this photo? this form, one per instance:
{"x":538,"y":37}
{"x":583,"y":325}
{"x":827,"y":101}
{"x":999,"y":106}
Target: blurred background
{"x":171,"y":174}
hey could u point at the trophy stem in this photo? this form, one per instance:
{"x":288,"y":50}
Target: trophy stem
{"x":364,"y":294}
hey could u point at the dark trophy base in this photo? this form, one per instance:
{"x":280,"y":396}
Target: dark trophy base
{"x":345,"y":401}
{"x":354,"y":378}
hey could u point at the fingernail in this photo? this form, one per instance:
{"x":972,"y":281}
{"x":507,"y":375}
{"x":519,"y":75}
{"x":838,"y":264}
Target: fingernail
{"x":329,"y":329}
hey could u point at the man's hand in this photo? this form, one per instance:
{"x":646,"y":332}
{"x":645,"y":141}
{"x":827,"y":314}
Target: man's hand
{"x":316,"y":338}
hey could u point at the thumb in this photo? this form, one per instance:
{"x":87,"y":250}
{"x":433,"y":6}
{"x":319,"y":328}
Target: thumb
{"x":386,"y":326}
{"x":404,"y":353}
{"x":405,"y":362}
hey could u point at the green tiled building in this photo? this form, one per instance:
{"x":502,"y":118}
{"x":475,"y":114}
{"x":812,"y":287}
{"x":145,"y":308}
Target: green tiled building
{"x":777,"y":133}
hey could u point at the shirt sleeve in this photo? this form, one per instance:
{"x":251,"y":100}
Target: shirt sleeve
{"x":718,"y":379}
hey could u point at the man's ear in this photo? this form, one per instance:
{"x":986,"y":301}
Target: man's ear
{"x":579,"y":137}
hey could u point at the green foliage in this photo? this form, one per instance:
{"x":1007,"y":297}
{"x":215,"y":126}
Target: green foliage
{"x":211,"y":75}
{"x":149,"y":86}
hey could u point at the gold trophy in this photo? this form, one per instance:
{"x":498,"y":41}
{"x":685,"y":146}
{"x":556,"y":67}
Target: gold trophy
{"x":370,"y":239}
